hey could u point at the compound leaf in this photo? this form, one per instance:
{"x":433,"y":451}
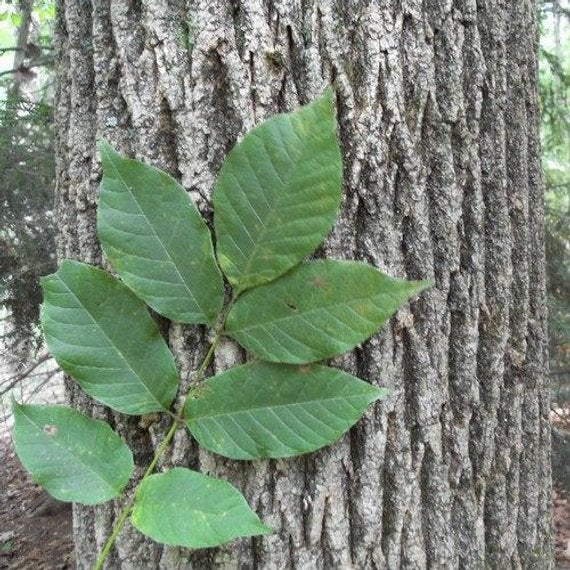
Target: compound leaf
{"x":276,"y":410}
{"x":277,"y":194}
{"x":157,"y":241}
{"x":319,"y":310}
{"x":102,"y":334}
{"x":186,"y":508}
{"x":73,"y":457}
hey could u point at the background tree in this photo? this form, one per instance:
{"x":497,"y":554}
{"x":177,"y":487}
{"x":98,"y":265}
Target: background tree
{"x":438,"y":111}
{"x":555,"y":96}
{"x":26,"y":168}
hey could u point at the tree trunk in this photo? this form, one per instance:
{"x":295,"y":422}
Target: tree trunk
{"x":22,"y":38}
{"x":438,"y":111}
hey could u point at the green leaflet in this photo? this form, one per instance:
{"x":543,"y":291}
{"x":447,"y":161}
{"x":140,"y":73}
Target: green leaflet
{"x":73,"y":457}
{"x":275,"y":200}
{"x":157,"y":241}
{"x":277,"y":194}
{"x":104,"y":337}
{"x":319,"y":310}
{"x":186,"y":508}
{"x":275,"y":410}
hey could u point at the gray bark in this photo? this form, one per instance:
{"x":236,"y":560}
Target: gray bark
{"x":438,"y":111}
{"x":22,"y":38}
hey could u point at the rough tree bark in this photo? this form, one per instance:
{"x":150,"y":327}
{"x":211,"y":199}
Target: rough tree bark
{"x":438,"y":110}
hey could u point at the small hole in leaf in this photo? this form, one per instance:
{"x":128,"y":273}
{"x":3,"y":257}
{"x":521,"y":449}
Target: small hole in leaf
{"x":292,"y":307}
{"x":50,"y":430}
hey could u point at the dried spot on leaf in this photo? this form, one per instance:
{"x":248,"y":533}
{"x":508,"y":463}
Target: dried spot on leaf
{"x":50,"y":430}
{"x":198,"y":391}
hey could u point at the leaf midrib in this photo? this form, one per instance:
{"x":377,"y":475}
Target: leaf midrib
{"x":278,"y":406}
{"x":307,"y":312}
{"x":104,"y":333}
{"x":281,"y":196}
{"x":166,"y":250}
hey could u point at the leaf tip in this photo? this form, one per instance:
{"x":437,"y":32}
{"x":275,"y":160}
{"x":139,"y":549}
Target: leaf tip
{"x":265,"y":529}
{"x":326,"y":100}
{"x":104,"y":147}
{"x":107,"y":152}
{"x":328,"y":93}
{"x":380,"y":393}
{"x":44,"y":280}
{"x":416,"y":287}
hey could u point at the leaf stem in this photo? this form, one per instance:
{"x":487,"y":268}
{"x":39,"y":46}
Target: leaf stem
{"x":178,"y":419}
{"x":202,"y":368}
{"x":128,"y":507}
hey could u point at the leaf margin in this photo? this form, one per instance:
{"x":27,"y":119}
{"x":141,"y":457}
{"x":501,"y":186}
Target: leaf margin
{"x":198,"y":421}
{"x":196,"y":475}
{"x":19,"y":413}
{"x":109,"y":155}
{"x":234,"y":329}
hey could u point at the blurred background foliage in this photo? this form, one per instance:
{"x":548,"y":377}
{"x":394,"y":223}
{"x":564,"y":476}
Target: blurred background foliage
{"x":555,"y":99}
{"x":555,"y":134}
{"x":27,"y":248}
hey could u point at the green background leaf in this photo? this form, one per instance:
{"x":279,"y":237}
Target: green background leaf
{"x":157,"y":241}
{"x":101,"y":334}
{"x":186,"y":508}
{"x":73,"y":457}
{"x":318,"y":310}
{"x":276,"y":410}
{"x":277,"y":194}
